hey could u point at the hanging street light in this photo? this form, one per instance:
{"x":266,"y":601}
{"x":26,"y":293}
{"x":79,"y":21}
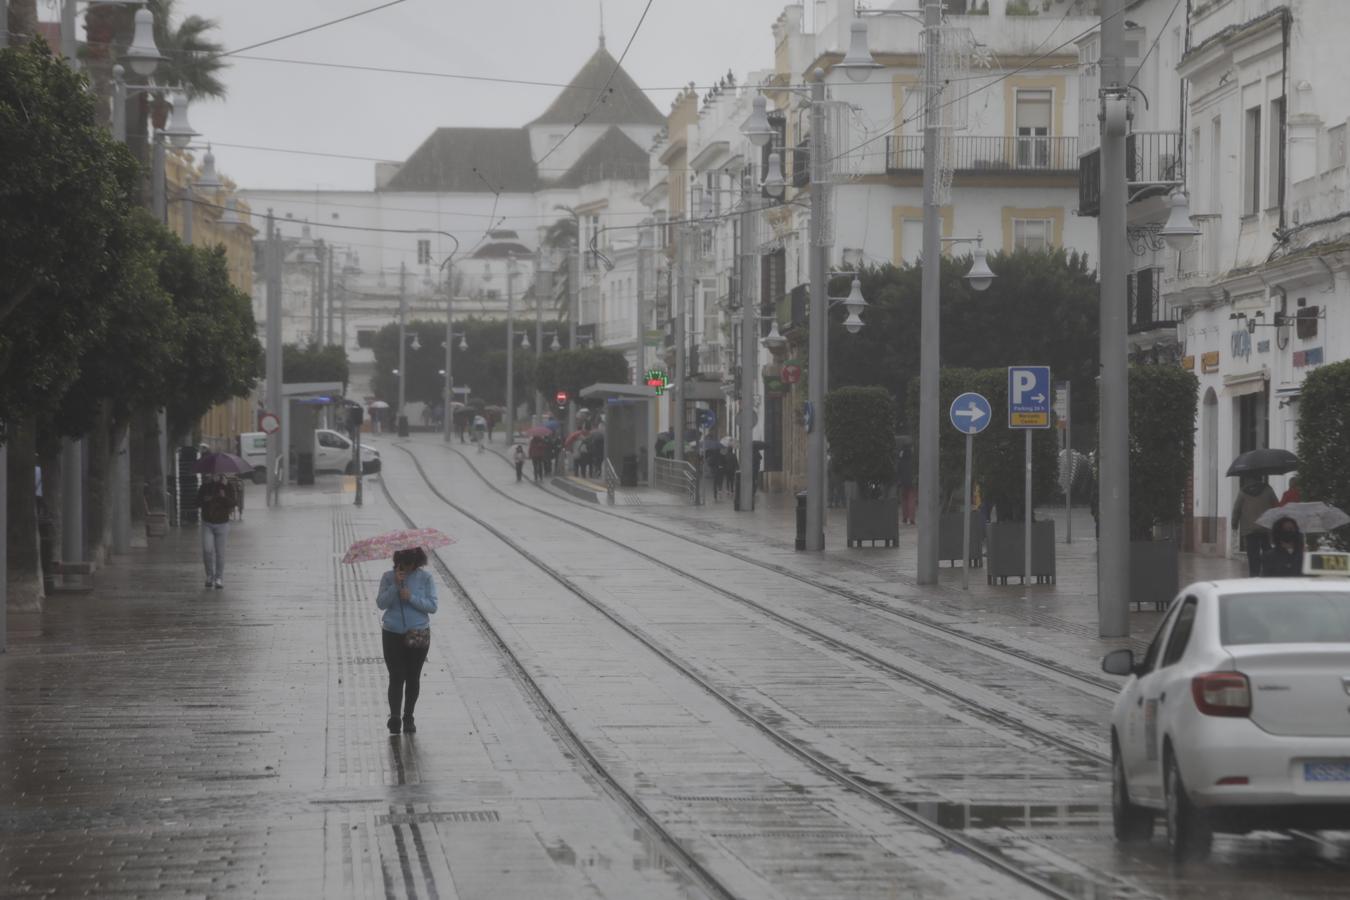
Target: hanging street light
{"x":858,"y":63}
{"x":1179,"y":230}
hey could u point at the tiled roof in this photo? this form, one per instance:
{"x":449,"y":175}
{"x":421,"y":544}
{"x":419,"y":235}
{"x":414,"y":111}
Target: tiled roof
{"x":624,"y":102}
{"x":614,"y":156}
{"x":469,"y":160}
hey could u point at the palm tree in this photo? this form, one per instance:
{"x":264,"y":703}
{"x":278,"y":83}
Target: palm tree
{"x":194,"y":62}
{"x":561,"y":237}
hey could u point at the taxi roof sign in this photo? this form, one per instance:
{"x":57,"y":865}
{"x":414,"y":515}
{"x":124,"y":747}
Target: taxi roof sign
{"x":1326,"y":563}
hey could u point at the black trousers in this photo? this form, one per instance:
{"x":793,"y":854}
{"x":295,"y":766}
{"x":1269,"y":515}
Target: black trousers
{"x":405,"y":673}
{"x":538,"y":469}
{"x":1257,"y":544}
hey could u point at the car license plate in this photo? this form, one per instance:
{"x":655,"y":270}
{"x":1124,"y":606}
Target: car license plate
{"x":1326,"y":771}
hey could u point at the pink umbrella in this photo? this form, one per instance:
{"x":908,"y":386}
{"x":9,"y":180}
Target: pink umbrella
{"x":384,"y":545}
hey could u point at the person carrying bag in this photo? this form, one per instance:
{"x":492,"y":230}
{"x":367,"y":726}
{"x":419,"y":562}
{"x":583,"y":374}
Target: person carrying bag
{"x":407,"y":595}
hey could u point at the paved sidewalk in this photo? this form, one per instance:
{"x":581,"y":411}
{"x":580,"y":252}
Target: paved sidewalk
{"x":157,"y":738}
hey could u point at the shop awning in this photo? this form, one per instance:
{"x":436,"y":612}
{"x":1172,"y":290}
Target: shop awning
{"x":1244,"y":383}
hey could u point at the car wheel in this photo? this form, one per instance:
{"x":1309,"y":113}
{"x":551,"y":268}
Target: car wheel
{"x":1188,"y":832}
{"x":1129,"y":821}
{"x":350,"y":470}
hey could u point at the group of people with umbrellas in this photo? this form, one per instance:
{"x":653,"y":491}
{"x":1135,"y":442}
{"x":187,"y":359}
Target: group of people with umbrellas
{"x":1273,"y":530}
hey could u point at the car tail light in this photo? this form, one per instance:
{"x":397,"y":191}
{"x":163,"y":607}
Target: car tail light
{"x":1222,"y":694}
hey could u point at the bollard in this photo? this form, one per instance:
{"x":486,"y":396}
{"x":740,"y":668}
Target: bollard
{"x":402,"y":426}
{"x":801,"y":521}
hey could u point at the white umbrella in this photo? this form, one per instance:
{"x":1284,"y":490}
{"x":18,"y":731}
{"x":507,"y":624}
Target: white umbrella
{"x":1312,"y":518}
{"x":379,"y":404}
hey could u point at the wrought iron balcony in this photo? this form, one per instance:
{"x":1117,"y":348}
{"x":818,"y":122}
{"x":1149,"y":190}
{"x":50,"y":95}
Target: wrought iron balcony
{"x":1147,"y":309}
{"x":1152,"y":167}
{"x":972,"y":154}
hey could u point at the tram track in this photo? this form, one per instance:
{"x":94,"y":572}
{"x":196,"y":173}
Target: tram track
{"x":675,"y":851}
{"x":1084,"y":681}
{"x":1082,"y":884}
{"x":1005,"y":720}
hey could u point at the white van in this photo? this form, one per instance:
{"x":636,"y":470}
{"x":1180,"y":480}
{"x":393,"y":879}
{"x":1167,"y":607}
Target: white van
{"x":332,"y":453}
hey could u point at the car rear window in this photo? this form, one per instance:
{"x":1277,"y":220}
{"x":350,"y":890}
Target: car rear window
{"x":1297,"y":617}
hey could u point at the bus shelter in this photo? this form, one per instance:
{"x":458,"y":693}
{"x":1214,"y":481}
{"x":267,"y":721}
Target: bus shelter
{"x":630,"y":429}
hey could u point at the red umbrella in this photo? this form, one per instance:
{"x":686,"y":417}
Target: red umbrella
{"x":573,"y":438}
{"x":539,"y":431}
{"x":384,"y":545}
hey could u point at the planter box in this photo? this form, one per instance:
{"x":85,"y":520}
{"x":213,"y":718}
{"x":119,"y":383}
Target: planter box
{"x":1006,"y":543}
{"x":874,"y":520}
{"x":949,"y":538}
{"x":1155,"y":572}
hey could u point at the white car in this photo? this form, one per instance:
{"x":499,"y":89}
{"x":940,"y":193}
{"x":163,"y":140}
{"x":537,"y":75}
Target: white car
{"x":1238,"y":716}
{"x":332,"y":453}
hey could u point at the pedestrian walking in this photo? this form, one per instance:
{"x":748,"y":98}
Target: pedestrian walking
{"x":730,"y":466}
{"x":518,"y":457}
{"x":480,"y":431}
{"x":1292,"y":495}
{"x":1254,"y":498}
{"x":216,"y":502}
{"x":904,"y":480}
{"x":407,"y":595}
{"x":713,"y":462}
{"x":1285,"y":556}
{"x":538,"y":452}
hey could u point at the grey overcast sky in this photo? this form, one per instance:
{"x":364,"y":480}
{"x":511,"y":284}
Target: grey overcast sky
{"x":384,"y":115}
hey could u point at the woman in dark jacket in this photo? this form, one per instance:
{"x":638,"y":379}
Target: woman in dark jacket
{"x":1285,"y":555}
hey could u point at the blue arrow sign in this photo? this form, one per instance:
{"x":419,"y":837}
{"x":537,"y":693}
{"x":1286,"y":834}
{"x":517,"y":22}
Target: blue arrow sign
{"x":1029,"y":396}
{"x":970,"y":413}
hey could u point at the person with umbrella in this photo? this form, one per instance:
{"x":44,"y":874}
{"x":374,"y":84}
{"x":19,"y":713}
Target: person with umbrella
{"x":216,"y":500}
{"x":1285,"y":557}
{"x":538,"y":452}
{"x":1255,"y":497}
{"x":407,"y":594}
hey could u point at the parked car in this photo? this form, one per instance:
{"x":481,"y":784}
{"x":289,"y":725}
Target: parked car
{"x":332,"y":453}
{"x":1238,"y":716}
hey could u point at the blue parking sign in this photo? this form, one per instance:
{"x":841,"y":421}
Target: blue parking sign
{"x":1029,"y":397}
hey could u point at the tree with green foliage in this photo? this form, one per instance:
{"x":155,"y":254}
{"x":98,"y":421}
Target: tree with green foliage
{"x":314,"y":365}
{"x":1041,"y":310}
{"x":1324,"y":438}
{"x":1162,"y":445}
{"x":221,"y":356}
{"x":860,"y":428}
{"x":572,"y":370}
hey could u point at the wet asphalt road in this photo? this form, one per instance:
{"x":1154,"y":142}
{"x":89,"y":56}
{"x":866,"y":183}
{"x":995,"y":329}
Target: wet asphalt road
{"x":157,"y":739}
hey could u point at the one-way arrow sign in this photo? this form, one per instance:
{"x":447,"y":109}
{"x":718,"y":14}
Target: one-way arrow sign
{"x":970,"y":413}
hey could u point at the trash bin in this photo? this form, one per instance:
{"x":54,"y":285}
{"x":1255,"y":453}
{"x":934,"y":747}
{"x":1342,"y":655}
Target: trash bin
{"x":801,"y":521}
{"x":304,"y":468}
{"x":628,"y":473}
{"x":402,"y":426}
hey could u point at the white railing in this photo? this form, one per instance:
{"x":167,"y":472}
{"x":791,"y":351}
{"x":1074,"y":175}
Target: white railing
{"x":677,"y":476}
{"x":611,"y":480}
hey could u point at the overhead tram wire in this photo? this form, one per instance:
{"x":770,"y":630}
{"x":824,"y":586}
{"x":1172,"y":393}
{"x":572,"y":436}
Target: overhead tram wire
{"x":1154,"y":46}
{"x":284,"y":37}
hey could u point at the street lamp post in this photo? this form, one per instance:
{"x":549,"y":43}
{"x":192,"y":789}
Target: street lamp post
{"x":510,"y":348}
{"x":448,"y":270}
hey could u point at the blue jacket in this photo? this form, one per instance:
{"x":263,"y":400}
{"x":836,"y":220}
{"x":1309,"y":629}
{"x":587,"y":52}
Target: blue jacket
{"x":400,"y":616}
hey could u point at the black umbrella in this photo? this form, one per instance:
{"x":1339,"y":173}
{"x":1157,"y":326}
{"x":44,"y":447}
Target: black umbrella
{"x":1266,"y":461}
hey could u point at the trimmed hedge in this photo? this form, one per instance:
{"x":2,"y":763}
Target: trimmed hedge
{"x":1162,"y":445}
{"x":1324,"y":438}
{"x":860,"y":428}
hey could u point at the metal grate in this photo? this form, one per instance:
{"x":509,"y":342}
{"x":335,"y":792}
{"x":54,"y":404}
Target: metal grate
{"x":422,"y":818}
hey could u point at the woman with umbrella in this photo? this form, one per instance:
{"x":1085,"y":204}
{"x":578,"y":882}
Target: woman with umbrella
{"x":407,"y":594}
{"x":1285,"y":556}
{"x":216,"y":500}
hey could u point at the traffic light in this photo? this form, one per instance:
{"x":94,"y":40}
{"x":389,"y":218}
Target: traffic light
{"x":560,"y":398}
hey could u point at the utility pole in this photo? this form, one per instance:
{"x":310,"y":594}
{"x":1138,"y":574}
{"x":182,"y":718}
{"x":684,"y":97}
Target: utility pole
{"x":681,"y":285}
{"x":541,"y":284}
{"x":930,"y":307}
{"x":1113,"y":566}
{"x":448,"y":417}
{"x":320,"y":270}
{"x":819,"y":328}
{"x":328,"y":299}
{"x":401,"y":418}
{"x":510,"y":350}
{"x":573,"y":291}
{"x":272,"y":265}
{"x":749,"y":339}
{"x":646,"y":290}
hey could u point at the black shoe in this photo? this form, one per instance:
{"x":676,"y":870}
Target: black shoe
{"x":393,"y":725}
{"x":409,"y":726}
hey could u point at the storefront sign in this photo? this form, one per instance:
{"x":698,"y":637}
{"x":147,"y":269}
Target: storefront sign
{"x":1209,"y":362}
{"x":1263,"y":346}
{"x":1242,"y":343}
{"x":1188,"y":363}
{"x":1305,"y":358}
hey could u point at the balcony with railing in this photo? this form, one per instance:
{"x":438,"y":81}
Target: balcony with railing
{"x":1000,"y":154}
{"x":1152,"y":167}
{"x":708,"y":359}
{"x":1147,"y":311}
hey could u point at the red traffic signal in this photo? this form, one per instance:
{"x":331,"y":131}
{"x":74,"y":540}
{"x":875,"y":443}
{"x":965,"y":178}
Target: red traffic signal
{"x":560,"y":398}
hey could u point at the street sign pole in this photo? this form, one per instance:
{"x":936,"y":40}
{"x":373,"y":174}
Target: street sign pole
{"x":970,"y":414}
{"x":965,"y":517}
{"x":1068,"y":481}
{"x":1026,"y":549}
